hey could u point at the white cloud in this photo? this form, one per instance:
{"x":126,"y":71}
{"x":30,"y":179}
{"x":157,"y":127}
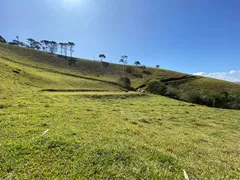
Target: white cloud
{"x":235,"y":72}
{"x":233,"y":75}
{"x":199,"y":73}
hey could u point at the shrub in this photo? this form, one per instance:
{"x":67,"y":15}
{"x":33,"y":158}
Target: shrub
{"x":156,"y":87}
{"x":171,"y":92}
{"x":234,"y":101}
{"x":125,"y":82}
{"x":191,"y":95}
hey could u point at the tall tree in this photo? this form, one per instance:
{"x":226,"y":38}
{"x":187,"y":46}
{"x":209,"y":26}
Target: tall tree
{"x":45,"y":45}
{"x":31,"y":42}
{"x":123,"y":60}
{"x":17,"y":42}
{"x":71,"y":46}
{"x":53,"y":47}
{"x":34,"y":44}
{"x":37,"y":45}
{"x":65,"y":48}
{"x":102,"y":56}
{"x":137,"y":63}
{"x":20,"y":43}
{"x":2,"y":40}
{"x":61,"y":46}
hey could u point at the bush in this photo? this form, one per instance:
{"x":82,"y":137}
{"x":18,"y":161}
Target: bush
{"x":171,"y":92}
{"x":234,"y":101}
{"x":156,"y":87}
{"x":125,"y":82}
{"x":213,"y":99}
{"x":191,"y":95}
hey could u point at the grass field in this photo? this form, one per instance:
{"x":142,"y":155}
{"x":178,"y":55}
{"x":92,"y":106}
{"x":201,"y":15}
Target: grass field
{"x":116,"y":137}
{"x":106,"y":133}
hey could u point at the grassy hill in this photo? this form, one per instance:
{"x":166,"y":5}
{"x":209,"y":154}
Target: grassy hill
{"x":189,"y":88}
{"x":94,"y":69}
{"x":91,"y":129}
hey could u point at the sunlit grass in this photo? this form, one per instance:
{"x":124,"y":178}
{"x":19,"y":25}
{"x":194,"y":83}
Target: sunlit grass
{"x":106,"y":134}
{"x":140,"y":137}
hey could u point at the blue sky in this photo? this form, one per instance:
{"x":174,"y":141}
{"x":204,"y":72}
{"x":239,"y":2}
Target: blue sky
{"x":191,"y":36}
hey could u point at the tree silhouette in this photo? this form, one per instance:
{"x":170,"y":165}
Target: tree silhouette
{"x":2,"y":40}
{"x":16,"y":42}
{"x":53,"y":47}
{"x":45,"y":45}
{"x":37,"y":45}
{"x":123,"y":60}
{"x":102,"y":56}
{"x":31,"y":42}
{"x":71,"y":46}
{"x":61,"y":46}
{"x":137,"y":63}
{"x":65,"y":48}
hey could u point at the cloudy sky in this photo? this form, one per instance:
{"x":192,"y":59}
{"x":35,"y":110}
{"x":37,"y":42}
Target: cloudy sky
{"x":233,"y":75}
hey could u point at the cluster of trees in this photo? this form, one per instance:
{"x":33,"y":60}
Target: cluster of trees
{"x":2,"y":40}
{"x":45,"y":45}
{"x":53,"y":47}
{"x":189,"y":93}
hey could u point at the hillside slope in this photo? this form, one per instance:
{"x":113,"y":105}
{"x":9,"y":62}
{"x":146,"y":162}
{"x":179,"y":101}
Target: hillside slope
{"x":95,"y":69}
{"x":104,"y":132}
{"x":201,"y":90}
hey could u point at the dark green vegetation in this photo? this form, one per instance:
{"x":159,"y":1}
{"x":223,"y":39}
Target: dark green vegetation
{"x":206,"y":91}
{"x":2,"y":40}
{"x":156,"y":87}
{"x":62,"y":122}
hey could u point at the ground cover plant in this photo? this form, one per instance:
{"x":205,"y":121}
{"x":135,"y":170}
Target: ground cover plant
{"x":71,"y":135}
{"x":57,"y":126}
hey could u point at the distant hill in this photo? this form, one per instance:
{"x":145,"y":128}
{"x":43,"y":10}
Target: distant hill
{"x":41,"y":70}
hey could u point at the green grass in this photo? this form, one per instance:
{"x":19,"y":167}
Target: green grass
{"x":219,"y":86}
{"x":94,"y":69}
{"x":135,"y":137}
{"x":106,"y":133}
